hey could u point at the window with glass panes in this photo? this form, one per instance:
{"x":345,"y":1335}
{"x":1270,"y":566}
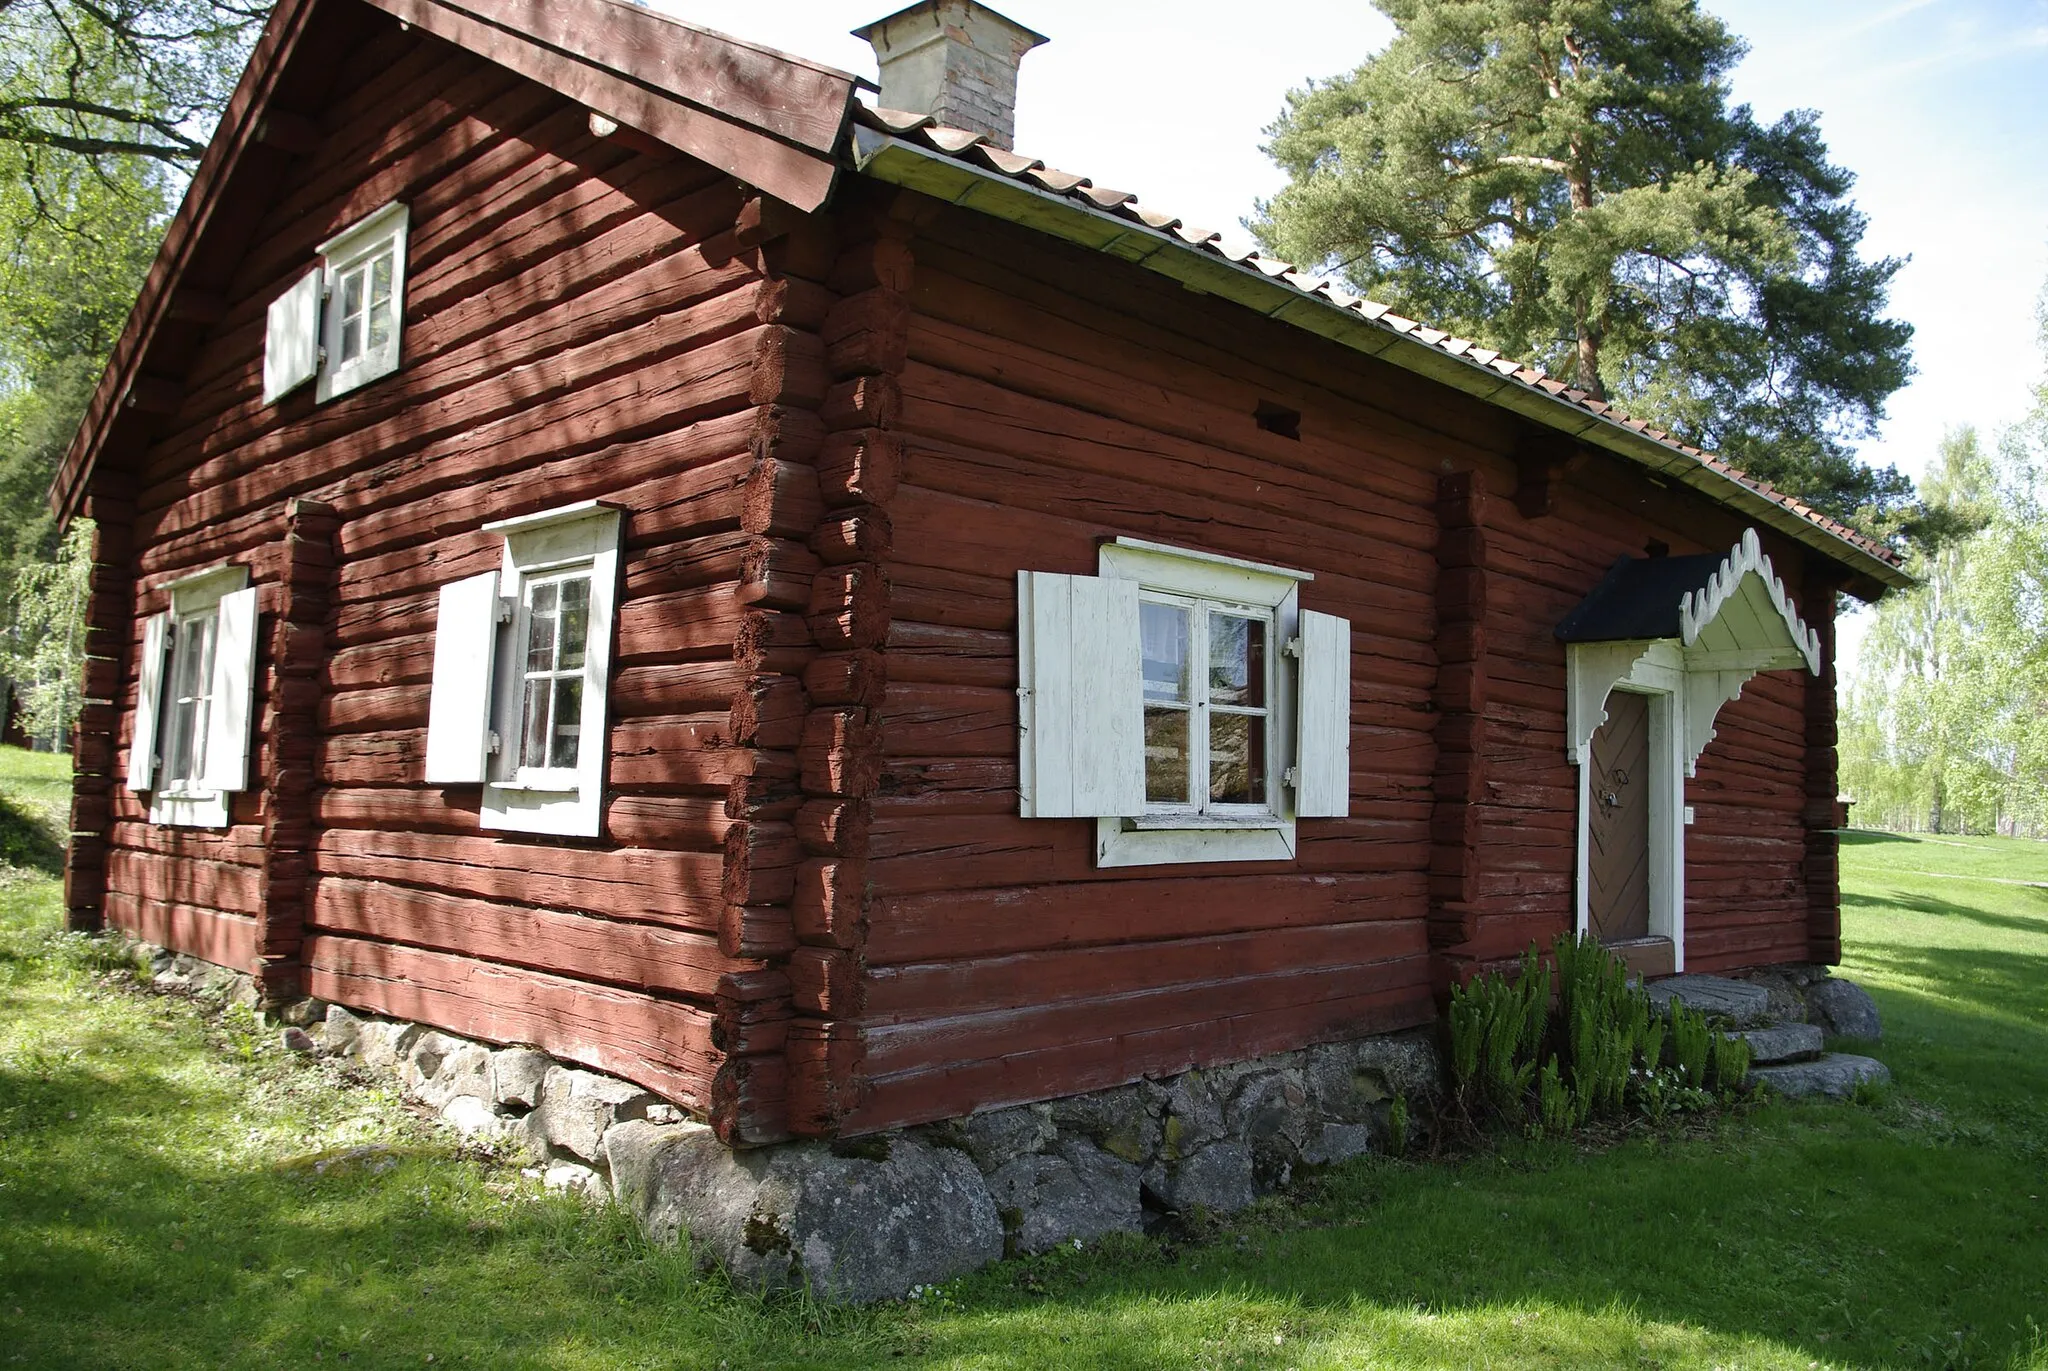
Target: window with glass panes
{"x":191,"y":690}
{"x":1208,"y":689}
{"x":557,"y":622}
{"x":363,"y":306}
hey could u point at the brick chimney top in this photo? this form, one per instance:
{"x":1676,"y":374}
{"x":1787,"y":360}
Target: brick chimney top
{"x":954,"y":60}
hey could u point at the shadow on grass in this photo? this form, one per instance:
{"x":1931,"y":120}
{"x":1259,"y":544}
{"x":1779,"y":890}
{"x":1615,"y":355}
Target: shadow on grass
{"x":1893,"y":899}
{"x":131,"y":1236}
{"x":26,"y":840}
{"x":1871,"y":837}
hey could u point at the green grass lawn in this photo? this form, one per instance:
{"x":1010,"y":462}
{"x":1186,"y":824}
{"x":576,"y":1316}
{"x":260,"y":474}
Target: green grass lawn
{"x":159,"y":1207}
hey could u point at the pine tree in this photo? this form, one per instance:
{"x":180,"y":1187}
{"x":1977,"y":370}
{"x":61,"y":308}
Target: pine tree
{"x":1566,"y":181}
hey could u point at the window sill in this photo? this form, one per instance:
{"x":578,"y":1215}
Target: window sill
{"x":1206,"y":823}
{"x":189,"y":809}
{"x":1120,"y":842}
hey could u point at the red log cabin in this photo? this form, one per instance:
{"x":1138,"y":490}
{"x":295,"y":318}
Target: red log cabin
{"x":607,"y":539}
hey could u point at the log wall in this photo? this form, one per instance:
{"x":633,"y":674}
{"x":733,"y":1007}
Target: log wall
{"x":1746,"y":893}
{"x":582,"y":320}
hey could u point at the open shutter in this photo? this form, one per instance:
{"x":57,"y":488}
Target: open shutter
{"x":465,"y":653}
{"x":291,"y":344}
{"x":1081,"y":695}
{"x":226,"y":764}
{"x":149,"y":700}
{"x":1322,"y":765}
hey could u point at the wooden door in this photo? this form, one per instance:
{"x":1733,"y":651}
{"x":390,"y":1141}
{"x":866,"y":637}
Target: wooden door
{"x":1618,"y":822}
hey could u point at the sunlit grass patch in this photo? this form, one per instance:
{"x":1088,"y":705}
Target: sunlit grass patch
{"x":176,"y":1191}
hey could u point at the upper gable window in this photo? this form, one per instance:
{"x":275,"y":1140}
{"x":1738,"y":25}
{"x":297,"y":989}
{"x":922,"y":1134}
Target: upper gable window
{"x":339,"y":323}
{"x":1183,"y":700}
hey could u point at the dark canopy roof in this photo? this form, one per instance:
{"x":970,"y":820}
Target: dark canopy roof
{"x":1728,"y":610}
{"x":1638,"y":598}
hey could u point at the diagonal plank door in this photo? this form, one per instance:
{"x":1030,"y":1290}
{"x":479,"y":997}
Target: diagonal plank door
{"x":1618,"y":824}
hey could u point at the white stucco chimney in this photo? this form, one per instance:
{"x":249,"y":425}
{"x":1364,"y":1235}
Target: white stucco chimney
{"x":954,"y":60}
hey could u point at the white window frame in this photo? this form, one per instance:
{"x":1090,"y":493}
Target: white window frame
{"x":1176,"y":834}
{"x":384,"y":231}
{"x":565,"y":801}
{"x":186,"y":802}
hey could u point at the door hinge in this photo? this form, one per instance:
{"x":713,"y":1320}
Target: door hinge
{"x":1293,"y":647}
{"x":493,"y":744}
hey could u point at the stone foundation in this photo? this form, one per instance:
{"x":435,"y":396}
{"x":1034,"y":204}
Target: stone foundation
{"x":868,"y":1218}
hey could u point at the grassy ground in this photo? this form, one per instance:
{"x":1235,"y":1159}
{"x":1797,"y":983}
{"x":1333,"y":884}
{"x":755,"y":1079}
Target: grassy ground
{"x":162,"y":1205}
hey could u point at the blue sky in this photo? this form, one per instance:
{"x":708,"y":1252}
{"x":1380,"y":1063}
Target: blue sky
{"x":1940,"y":107}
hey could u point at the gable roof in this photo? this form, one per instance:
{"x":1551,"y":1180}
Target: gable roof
{"x":780,"y":123}
{"x":772,"y":120}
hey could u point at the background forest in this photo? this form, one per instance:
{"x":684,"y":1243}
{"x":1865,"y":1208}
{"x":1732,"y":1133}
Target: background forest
{"x":1944,"y":722}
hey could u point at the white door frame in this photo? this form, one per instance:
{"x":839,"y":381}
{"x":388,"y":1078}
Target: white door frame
{"x":1657,"y":670}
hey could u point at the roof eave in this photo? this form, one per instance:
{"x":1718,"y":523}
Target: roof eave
{"x":888,"y":158}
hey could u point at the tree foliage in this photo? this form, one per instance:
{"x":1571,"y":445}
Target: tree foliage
{"x":1945,"y":724}
{"x":44,"y":652}
{"x":118,"y":78}
{"x":102,"y":103}
{"x":1566,"y":181}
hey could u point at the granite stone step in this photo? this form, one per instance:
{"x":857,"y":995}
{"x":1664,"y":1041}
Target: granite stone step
{"x":1780,"y":1043}
{"x":1739,"y":1002}
{"x":1835,"y":1075}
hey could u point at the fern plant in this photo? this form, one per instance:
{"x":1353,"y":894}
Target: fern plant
{"x":1730,"y":1062}
{"x":1691,"y":1044}
{"x":1496,"y":1030}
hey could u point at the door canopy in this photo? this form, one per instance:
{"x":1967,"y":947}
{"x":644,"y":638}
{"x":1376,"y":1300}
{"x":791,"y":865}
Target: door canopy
{"x":1718,"y":619}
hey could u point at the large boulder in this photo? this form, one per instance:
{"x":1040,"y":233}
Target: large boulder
{"x":1076,"y":1191}
{"x":1844,"y":1009}
{"x":1123,"y":1122}
{"x":1218,"y":1179}
{"x":854,"y":1228}
{"x":997,"y":1137}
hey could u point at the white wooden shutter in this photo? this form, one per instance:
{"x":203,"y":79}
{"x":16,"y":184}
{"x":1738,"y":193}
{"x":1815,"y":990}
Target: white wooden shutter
{"x":226,"y":764}
{"x":1322,"y":766}
{"x":1082,"y":697}
{"x":291,"y":344}
{"x":149,"y":700}
{"x":465,"y":653}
